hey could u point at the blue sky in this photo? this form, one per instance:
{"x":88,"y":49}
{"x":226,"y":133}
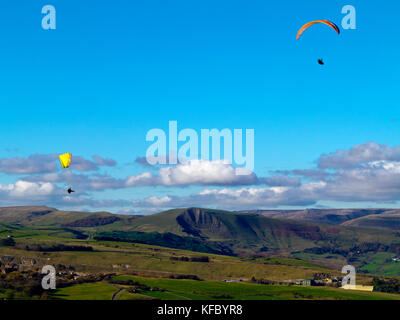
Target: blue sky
{"x":111,"y":71}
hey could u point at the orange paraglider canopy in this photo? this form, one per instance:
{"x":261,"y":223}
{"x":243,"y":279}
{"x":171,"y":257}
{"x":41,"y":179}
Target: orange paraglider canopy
{"x":307,"y":25}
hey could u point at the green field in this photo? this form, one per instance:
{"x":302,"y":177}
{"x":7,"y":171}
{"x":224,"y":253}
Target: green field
{"x":154,"y":259}
{"x":69,"y":246}
{"x":86,"y":291}
{"x":213,"y":290}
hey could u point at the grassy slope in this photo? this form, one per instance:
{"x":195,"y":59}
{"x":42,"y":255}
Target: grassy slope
{"x":157,"y":260}
{"x":205,"y":290}
{"x":247,"y":234}
{"x":249,"y":228}
{"x":153,"y":261}
{"x":327,"y":216}
{"x":86,"y":291}
{"x":244,"y":229}
{"x":390,"y":221}
{"x":45,"y":216}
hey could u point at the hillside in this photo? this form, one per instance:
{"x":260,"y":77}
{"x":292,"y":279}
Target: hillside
{"x":333,"y":216}
{"x":239,"y":232}
{"x":227,"y":233}
{"x":169,"y":269}
{"x":387,"y":220}
{"x":40,"y":215}
{"x":247,"y":234}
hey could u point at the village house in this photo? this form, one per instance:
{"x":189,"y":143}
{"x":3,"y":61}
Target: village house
{"x":8,"y":268}
{"x":358,"y":287}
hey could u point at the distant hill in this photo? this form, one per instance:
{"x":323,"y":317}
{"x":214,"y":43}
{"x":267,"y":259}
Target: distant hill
{"x":387,"y":220}
{"x":326,"y":237}
{"x":337,"y":216}
{"x":219,"y":225}
{"x":45,"y":216}
{"x":253,"y":233}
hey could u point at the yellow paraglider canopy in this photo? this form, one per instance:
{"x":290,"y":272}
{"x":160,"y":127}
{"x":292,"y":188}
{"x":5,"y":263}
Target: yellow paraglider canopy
{"x":65,"y":159}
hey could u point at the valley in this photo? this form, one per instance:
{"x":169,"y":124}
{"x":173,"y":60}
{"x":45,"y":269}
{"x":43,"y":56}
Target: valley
{"x":266,"y":257}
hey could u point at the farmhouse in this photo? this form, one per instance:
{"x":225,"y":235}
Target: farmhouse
{"x":358,"y":287}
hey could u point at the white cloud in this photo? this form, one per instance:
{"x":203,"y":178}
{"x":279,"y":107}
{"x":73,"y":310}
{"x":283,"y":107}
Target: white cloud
{"x":33,"y":164}
{"x":45,"y":193}
{"x":366,"y":173}
{"x":203,"y":172}
{"x":359,"y":154}
{"x":143,"y":179}
{"x":104,"y":161}
{"x":157,"y":202}
{"x":48,"y":163}
{"x":377,"y":181}
{"x":28,"y":189}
